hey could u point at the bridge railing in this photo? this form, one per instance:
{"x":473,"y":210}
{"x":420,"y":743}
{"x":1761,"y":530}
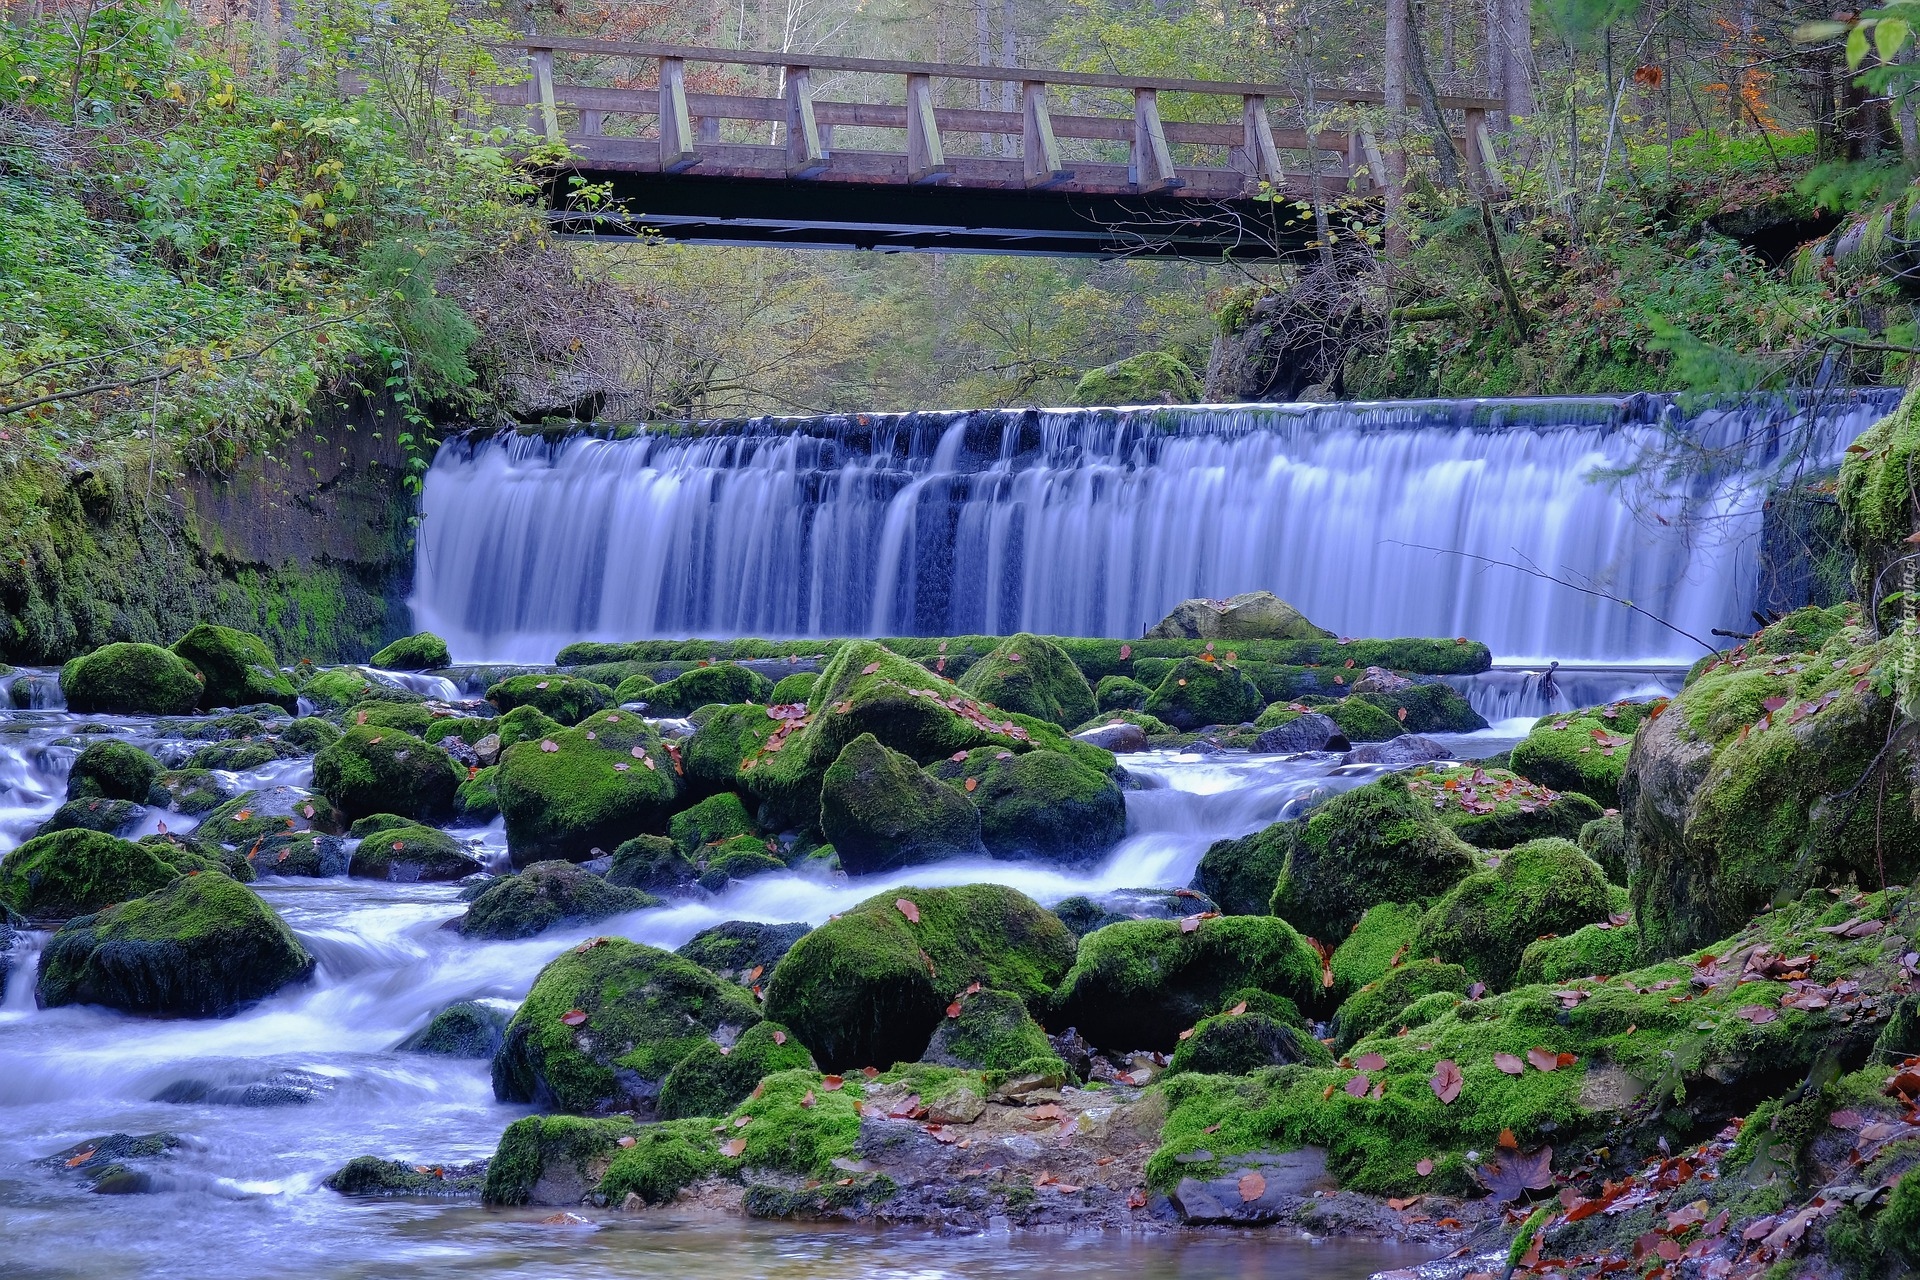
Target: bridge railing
{"x":599,"y":102}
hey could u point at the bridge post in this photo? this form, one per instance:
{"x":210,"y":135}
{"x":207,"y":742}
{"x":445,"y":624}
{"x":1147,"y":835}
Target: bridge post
{"x":926,"y":158}
{"x":541,"y":94}
{"x":676,"y":126}
{"x":806,"y":158}
{"x":1152,"y":162}
{"x":1263,"y":157}
{"x":1039,"y":149}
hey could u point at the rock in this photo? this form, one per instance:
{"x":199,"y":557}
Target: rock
{"x":1370,"y":845}
{"x":1118,"y":737}
{"x":245,"y":1085}
{"x":1240,"y":874}
{"x":1382,"y":939}
{"x":310,"y":733}
{"x":462,"y":754}
{"x":378,"y":770}
{"x":190,"y":853}
{"x":723,"y":682}
{"x":271,"y":811}
{"x":113,"y":770}
{"x":1381,"y":680}
{"x":1120,"y":693}
{"x":1150,"y":377}
{"x":1358,"y":719}
{"x":241,"y":757}
{"x":880,"y":812}
{"x":1604,"y":839}
{"x":634,"y":688}
{"x":1376,"y":1007}
{"x":606,"y":1022}
{"x":1561,"y":751}
{"x":651,"y":864}
{"x":544,"y":895}
{"x":525,"y":724}
{"x":584,"y":789}
{"x":339,"y":688}
{"x":239,"y":668}
{"x":1309,"y":732}
{"x":1286,"y":1178}
{"x":1407,"y":748}
{"x":464,"y":1029}
{"x":1600,"y":948}
{"x":477,"y":799}
{"x":862,"y":989}
{"x":1196,"y":693}
{"x":794,"y":689}
{"x":1139,"y":984}
{"x":487,"y":750}
{"x":988,"y":1030}
{"x":131,"y":679}
{"x":73,"y":872}
{"x":1497,"y":809}
{"x":1040,"y":805}
{"x":116,"y":1163}
{"x":420,"y":719}
{"x":566,"y":699}
{"x":1486,"y":921}
{"x":370,"y":1177}
{"x":1034,"y":676}
{"x":114,"y":817}
{"x":713,"y":1079}
{"x":202,"y":946}
{"x":410,"y":853}
{"x":742,"y":951}
{"x":422,"y":651}
{"x":714,"y":820}
{"x":308,"y":854}
{"x":1229,"y":1044}
{"x":1252,"y":615}
{"x":567,"y":1161}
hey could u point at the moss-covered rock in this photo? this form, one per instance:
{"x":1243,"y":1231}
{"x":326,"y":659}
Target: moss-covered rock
{"x":1373,"y":844}
{"x":742,"y":951}
{"x":477,"y":799}
{"x":1592,"y":950}
{"x":253,"y":815}
{"x":651,"y":864}
{"x":77,"y":871}
{"x":1120,"y":693}
{"x":370,"y":1177}
{"x":1199,"y":692}
{"x":192,"y":791}
{"x":870,"y":987}
{"x":543,"y":896}
{"x":114,"y":817}
{"x":1423,"y":708}
{"x":1485,"y":922}
{"x":337,"y":688}
{"x":563,"y":1160}
{"x":201,"y":946}
{"x":422,"y":651}
{"x":131,"y":679}
{"x":1358,"y":719}
{"x":1379,"y":942}
{"x":1605,"y":841}
{"x":1148,"y":377}
{"x":567,"y":699}
{"x":379,"y":770}
{"x":1376,"y":1007}
{"x":525,"y":724}
{"x":464,"y":1029}
{"x":606,"y":1021}
{"x":310,"y":733}
{"x":410,"y":852}
{"x":987,"y":1030}
{"x":580,"y":792}
{"x":1235,"y":1044}
{"x":723,"y":682}
{"x":113,"y":770}
{"x":1496,"y":808}
{"x":881,"y":812}
{"x":1252,"y":615}
{"x":416,"y":718}
{"x":740,"y":858}
{"x":1240,"y":874}
{"x":1034,"y":676}
{"x":1583,"y":751}
{"x":714,"y":820}
{"x":794,"y":689}
{"x":306,"y":854}
{"x":1139,"y":984}
{"x":713,"y":1079}
{"x":1038,"y":805}
{"x":240,"y":670}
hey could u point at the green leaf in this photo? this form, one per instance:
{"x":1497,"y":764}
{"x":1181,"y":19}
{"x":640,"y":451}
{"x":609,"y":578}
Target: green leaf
{"x":1889,"y":34}
{"x":1856,"y":47}
{"x":1819,"y":32}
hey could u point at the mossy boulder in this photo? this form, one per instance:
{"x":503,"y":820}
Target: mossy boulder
{"x":987,"y":1030}
{"x":578,"y":793}
{"x":1120,"y":693}
{"x":337,"y":688}
{"x":714,"y":820}
{"x":464,"y":1029}
{"x":1428,"y":708}
{"x":1236,"y":1044}
{"x":1379,"y":942}
{"x":1240,"y":874}
{"x":310,"y":733}
{"x":1251,"y":615}
{"x":881,"y":812}
{"x":416,"y":718}
{"x":306,"y":854}
{"x":1149,"y":377}
{"x":651,"y":864}
{"x":370,"y":1177}
{"x":1041,"y":806}
{"x":201,"y":946}
{"x":564,"y":1160}
{"x":192,"y":791}
{"x":1582,"y":751}
{"x":742,"y":951}
{"x":76,"y":871}
{"x":606,"y":1021}
{"x":477,"y":799}
{"x":1198,"y":692}
{"x":1358,"y":719}
{"x":794,"y":689}
{"x":1605,"y":841}
{"x":723,"y":682}
{"x":740,"y":858}
{"x":422,"y":651}
{"x":1599,"y":949}
{"x":114,"y":817}
{"x":870,"y":987}
{"x":1485,"y":922}
{"x":1375,"y":1007}
{"x":567,"y":699}
{"x":1140,"y":983}
{"x":713,"y":1079}
{"x":1034,"y":676}
{"x":410,"y":852}
{"x":543,"y":896}
{"x":379,"y":770}
{"x":1373,"y":844}
{"x":131,"y":679}
{"x":637,"y":687}
{"x":113,"y":770}
{"x":1497,"y":808}
{"x":254,"y":815}
{"x":524,"y":724}
{"x":240,"y":670}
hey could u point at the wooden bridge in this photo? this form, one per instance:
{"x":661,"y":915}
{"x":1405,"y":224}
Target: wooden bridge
{"x":1084,"y":163}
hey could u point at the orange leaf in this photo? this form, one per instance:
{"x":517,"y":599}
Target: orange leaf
{"x":831,"y":1083}
{"x":807,"y":1099}
{"x":1508,"y":1063}
{"x":869,"y":669}
{"x":953,"y":1010}
{"x":732,"y":1149}
{"x":908,"y":909}
{"x":1252,"y":1186}
{"x":1237,"y":1010}
{"x":1507,"y":1142}
{"x":1543,"y":1059}
{"x":82,"y":1158}
{"x":972,"y":784}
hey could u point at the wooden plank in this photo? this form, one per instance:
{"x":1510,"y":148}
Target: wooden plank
{"x":926,"y":159}
{"x":707,"y":129}
{"x":1478,"y":139}
{"x":593,"y":123}
{"x":1152,"y":162}
{"x":806,"y":156}
{"x":882,"y":66}
{"x":676,"y":122}
{"x":1376,"y":164}
{"x":1263,"y":156}
{"x":1039,"y":148}
{"x":542,"y":93}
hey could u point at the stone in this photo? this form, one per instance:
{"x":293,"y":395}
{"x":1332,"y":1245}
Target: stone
{"x":1119,"y":737}
{"x":546,"y":895}
{"x":1408,"y":748}
{"x":131,"y":679}
{"x":1252,"y":615}
{"x":422,"y":651}
{"x":880,"y":812}
{"x":239,"y":669}
{"x":1309,"y":732}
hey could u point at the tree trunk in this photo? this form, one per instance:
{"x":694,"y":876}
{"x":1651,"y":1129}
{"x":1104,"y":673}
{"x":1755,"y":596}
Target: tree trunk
{"x":1496,"y":69}
{"x":1518,"y":59}
{"x":1445,"y":158}
{"x":1395,"y":84}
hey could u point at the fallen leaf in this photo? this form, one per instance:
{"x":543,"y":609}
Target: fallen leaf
{"x":953,"y":1010}
{"x":1512,"y":1176}
{"x":731,"y":1149}
{"x":807,"y":1099}
{"x":626,"y":1141}
{"x":869,"y":669}
{"x":1543,"y":1059}
{"x":831,"y":1083}
{"x":1507,"y":1142}
{"x":1401,"y":1205}
{"x":1508,"y":1063}
{"x":1241,"y":1008}
{"x":1423,"y":1166}
{"x":1758,"y":1014}
{"x":779,"y":1037}
{"x":574,"y":1017}
{"x":1357,"y":1086}
{"x":908,"y":909}
{"x":1252,"y":1186}
{"x":82,"y":1158}
{"x":1368,"y":1061}
{"x":972,"y":785}
{"x":1446,"y":1080}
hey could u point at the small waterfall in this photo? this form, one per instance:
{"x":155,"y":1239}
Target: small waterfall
{"x":1096,"y":522}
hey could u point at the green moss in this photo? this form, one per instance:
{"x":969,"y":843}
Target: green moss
{"x":239,"y":669}
{"x":113,"y":770}
{"x":1485,"y":922}
{"x":477,"y":798}
{"x":422,"y":651}
{"x":1151,"y":377}
{"x":645,"y":1010}
{"x":1239,"y":875}
{"x":787,"y":1134}
{"x":334,"y":690}
{"x":73,"y":872}
{"x":869,"y":987}
{"x":1373,"y":844}
{"x":698,"y":686}
{"x":525,"y":724}
{"x":793,"y":689}
{"x":1428,"y":708}
{"x":1591,"y":949}
{"x":1605,"y":841}
{"x":1147,"y":724}
{"x":1236,"y":1044}
{"x":604,"y":781}
{"x":1361,"y":721}
{"x":131,"y":679}
{"x":881,"y":812}
{"x":1120,"y":693}
{"x":1380,"y":1007}
{"x":737,"y":859}
{"x":1582,"y":751}
{"x":376,"y":770}
{"x":1382,"y":938}
{"x":566,"y":699}
{"x":1196,"y":693}
{"x":1034,"y":676}
{"x":743,"y":951}
{"x":987,"y":1030}
{"x":201,"y":946}
{"x":568,"y":1151}
{"x":712,"y":1080}
{"x":464,"y":1029}
{"x":408,"y":717}
{"x":192,"y":791}
{"x":310,"y":733}
{"x":1039,"y":805}
{"x":715,"y":819}
{"x":1496,"y":808}
{"x":652,"y":864}
{"x":663,"y":1160}
{"x":1140,"y":983}
{"x":409,"y":852}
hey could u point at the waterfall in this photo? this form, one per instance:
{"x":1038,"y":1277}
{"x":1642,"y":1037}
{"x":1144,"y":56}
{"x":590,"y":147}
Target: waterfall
{"x":1096,"y":522}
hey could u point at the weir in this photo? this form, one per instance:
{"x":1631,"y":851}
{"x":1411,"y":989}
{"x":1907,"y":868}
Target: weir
{"x":1097,"y":521}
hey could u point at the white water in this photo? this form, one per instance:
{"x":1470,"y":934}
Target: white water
{"x":1097,"y":522}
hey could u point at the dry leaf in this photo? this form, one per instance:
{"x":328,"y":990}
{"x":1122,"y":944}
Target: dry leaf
{"x":908,"y":909}
{"x":1370,"y":1062}
{"x":731,"y":1149}
{"x":1252,"y":1186}
{"x":1508,"y":1063}
{"x":1423,"y":1167}
{"x":1543,"y":1059}
{"x":1357,"y":1086}
{"x":574,"y":1017}
{"x":1446,"y":1081}
{"x":869,"y":669}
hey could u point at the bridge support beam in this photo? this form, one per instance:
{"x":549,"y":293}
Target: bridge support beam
{"x":676,"y":123}
{"x":1263,"y":156}
{"x":1038,"y":146}
{"x":926,"y":158}
{"x":806,"y":158}
{"x":1152,"y":162}
{"x":540,"y":95}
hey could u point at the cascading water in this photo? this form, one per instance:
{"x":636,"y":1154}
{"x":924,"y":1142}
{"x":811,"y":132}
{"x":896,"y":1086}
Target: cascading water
{"x":1096,"y":522}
